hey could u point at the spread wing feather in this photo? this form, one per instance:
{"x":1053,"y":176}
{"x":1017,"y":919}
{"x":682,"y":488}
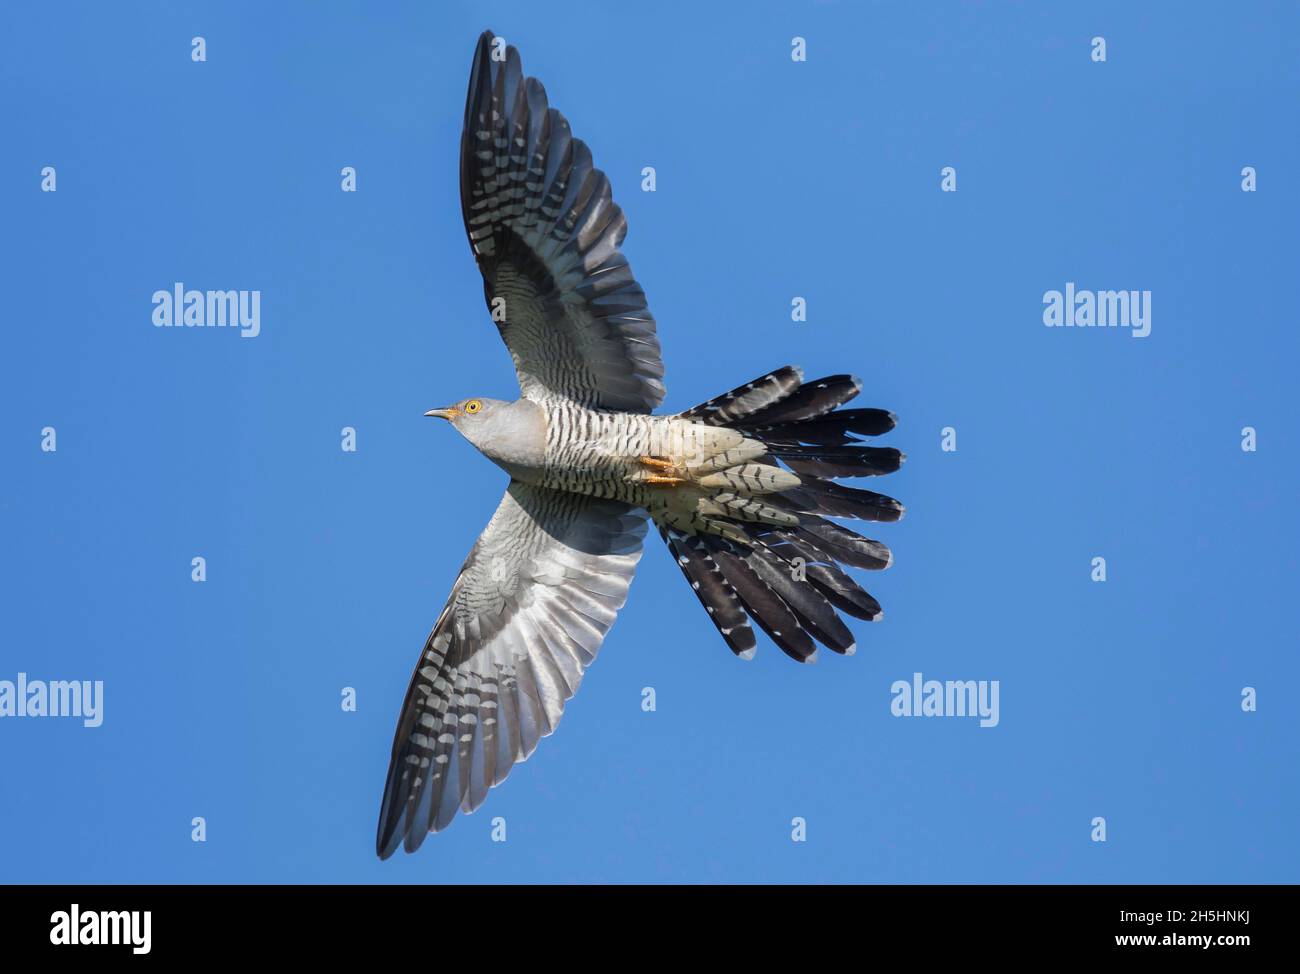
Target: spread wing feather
{"x":546,"y":231}
{"x":526,"y":615}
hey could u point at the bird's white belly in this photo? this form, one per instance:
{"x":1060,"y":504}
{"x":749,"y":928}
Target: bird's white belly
{"x":598,"y":453}
{"x":636,"y":458}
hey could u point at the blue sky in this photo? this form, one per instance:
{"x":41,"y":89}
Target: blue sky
{"x":775,"y":179}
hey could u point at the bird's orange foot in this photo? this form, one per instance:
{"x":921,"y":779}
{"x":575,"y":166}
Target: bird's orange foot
{"x":666,"y":475}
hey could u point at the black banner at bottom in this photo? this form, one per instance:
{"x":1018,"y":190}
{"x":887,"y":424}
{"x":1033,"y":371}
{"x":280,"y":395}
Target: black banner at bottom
{"x":215,"y":923}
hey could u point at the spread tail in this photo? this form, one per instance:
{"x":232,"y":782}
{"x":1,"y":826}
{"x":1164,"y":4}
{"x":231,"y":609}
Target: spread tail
{"x":768,"y":555}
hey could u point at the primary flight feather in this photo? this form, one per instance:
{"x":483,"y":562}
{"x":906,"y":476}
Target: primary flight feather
{"x":740,"y":487}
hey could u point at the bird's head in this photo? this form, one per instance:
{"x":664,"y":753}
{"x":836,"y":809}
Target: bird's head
{"x":510,"y":433}
{"x":469,"y":413}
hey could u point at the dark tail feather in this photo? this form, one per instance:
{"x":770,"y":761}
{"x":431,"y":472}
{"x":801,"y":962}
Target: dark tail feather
{"x":764,"y":605}
{"x":841,"y":461}
{"x":844,"y":593}
{"x":820,"y":568}
{"x":803,"y":431}
{"x":810,"y":401}
{"x":715,"y":592}
{"x":742,"y":401}
{"x":825,"y":497}
{"x":844,"y":545}
{"x":815,"y":614}
{"x":832,"y":429}
{"x":790,"y":580}
{"x":794,"y":602}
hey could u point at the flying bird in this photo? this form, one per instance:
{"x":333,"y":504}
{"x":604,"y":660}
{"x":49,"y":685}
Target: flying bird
{"x":741,"y":488}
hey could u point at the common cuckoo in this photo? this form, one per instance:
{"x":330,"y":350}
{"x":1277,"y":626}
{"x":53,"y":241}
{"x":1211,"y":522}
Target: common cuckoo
{"x":741,"y":488}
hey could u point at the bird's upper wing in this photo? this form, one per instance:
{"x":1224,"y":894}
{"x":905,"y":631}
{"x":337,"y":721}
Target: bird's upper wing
{"x":525,"y":617}
{"x":546,"y":231}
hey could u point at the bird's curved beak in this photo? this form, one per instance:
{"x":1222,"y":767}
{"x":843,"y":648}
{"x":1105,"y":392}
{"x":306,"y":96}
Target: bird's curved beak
{"x":446,"y":413}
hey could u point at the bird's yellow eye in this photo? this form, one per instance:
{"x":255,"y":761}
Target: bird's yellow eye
{"x":473,"y":406}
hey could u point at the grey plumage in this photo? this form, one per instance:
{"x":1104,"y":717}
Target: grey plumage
{"x":526,"y":615}
{"x":740,"y":487}
{"x":545,"y":231}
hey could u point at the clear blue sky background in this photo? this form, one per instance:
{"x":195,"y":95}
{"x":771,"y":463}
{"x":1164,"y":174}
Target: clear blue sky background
{"x":775,"y":179}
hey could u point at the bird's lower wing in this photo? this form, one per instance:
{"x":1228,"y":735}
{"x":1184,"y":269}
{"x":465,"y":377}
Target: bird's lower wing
{"x":526,"y":615}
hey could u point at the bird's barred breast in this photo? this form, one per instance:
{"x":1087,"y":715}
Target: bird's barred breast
{"x":599,"y":453}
